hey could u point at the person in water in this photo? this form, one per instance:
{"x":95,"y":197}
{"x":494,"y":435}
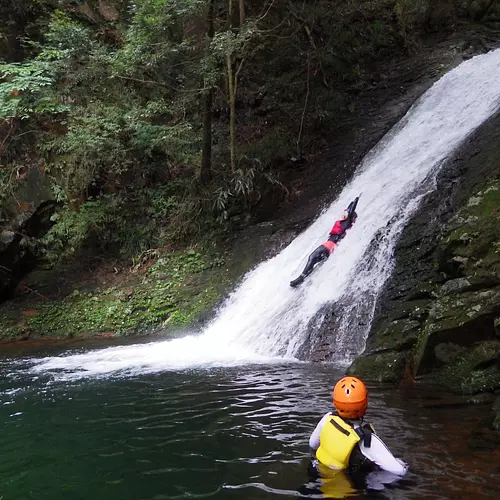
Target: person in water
{"x":337,"y":232}
{"x":344,"y":441}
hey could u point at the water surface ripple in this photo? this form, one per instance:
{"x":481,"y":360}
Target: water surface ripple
{"x":235,"y":433}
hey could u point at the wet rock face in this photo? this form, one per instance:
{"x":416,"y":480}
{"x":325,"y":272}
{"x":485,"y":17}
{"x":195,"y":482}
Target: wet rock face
{"x":28,"y":214}
{"x":16,"y":255}
{"x":496,"y":410}
{"x":439,"y":316}
{"x":468,"y":304}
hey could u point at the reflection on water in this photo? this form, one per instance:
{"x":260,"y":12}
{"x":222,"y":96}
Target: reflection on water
{"x":223,"y":433}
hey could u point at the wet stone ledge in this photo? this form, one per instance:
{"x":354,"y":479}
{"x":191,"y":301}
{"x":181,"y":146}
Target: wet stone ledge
{"x":438,"y":318}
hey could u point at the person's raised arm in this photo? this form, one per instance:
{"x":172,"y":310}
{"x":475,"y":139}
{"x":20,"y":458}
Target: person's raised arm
{"x":351,"y":209}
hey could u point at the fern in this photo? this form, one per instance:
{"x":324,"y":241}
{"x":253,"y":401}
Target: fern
{"x":27,"y":89}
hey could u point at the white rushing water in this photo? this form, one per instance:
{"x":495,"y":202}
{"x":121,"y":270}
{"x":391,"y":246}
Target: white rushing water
{"x":264,"y":318}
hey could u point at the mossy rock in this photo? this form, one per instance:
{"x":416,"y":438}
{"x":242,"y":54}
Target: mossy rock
{"x":454,"y":311}
{"x":459,"y":325}
{"x":413,"y":310}
{"x":496,"y":410}
{"x":397,"y":335}
{"x":471,"y":244}
{"x":380,"y":367}
{"x":457,"y":285}
{"x":454,"y":341}
{"x":474,"y":371}
{"x":424,"y":291}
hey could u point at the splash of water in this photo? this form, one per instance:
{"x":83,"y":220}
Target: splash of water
{"x":264,"y":318}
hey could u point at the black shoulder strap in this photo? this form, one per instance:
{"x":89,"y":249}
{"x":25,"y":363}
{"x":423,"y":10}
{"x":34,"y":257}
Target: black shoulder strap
{"x":365,"y":432}
{"x":339,"y":427}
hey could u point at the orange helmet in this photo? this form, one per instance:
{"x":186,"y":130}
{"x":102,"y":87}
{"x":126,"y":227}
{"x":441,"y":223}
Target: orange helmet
{"x":350,"y":398}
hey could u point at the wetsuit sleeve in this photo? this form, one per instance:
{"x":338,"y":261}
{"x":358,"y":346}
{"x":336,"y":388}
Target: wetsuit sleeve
{"x":351,"y":209}
{"x":379,"y":454}
{"x":314,"y":439}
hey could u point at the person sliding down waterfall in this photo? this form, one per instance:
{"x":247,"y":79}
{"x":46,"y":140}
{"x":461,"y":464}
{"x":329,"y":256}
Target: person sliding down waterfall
{"x":338,"y":232}
{"x":344,"y":441}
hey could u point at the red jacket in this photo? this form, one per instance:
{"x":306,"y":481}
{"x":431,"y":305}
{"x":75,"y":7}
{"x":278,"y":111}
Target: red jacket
{"x":337,"y":228}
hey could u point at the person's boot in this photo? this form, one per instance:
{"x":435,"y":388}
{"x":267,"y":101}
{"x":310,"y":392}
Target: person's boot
{"x":297,"y":281}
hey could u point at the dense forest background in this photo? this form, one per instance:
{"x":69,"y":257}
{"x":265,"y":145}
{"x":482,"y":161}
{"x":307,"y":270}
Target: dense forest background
{"x":157,"y":123}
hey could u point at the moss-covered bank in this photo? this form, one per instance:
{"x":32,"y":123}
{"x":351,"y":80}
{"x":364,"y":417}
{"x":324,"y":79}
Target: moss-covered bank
{"x":171,"y":290}
{"x":446,"y":330}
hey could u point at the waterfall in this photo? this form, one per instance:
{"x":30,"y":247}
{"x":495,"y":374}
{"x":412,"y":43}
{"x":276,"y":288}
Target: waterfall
{"x":264,"y":319}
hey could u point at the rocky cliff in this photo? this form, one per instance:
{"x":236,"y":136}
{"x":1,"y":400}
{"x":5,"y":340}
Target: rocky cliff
{"x":439,"y":316}
{"x":24,"y":216}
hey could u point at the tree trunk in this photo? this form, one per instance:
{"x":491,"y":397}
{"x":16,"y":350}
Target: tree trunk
{"x":231,"y":97}
{"x":205,"y":173}
{"x":242,"y":12}
{"x":232,"y":83}
{"x":431,"y":6}
{"x":304,"y":109}
{"x":230,"y":14}
{"x":484,"y":10}
{"x":232,"y":110}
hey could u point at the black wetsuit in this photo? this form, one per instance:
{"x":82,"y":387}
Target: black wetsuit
{"x":336,"y":234}
{"x":321,"y":253}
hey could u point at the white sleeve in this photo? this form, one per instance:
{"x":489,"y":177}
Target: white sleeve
{"x":379,"y":454}
{"x":314,"y":439}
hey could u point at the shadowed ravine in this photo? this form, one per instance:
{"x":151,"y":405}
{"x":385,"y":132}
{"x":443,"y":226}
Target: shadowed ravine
{"x":264,"y":318}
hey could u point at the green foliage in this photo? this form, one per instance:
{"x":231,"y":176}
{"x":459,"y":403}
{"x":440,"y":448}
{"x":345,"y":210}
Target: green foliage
{"x":156,"y":47}
{"x":237,"y":192}
{"x":114,"y":108}
{"x":178,"y":265}
{"x":26,"y":90}
{"x":275,"y":146}
{"x":66,"y":39}
{"x":91,"y":146}
{"x":30,"y":88}
{"x":20,"y":21}
{"x":9,"y":330}
{"x":228,"y":42}
{"x":409,"y":14}
{"x":7,"y":184}
{"x":94,"y":222}
{"x":110,"y":224}
{"x":176,"y":142}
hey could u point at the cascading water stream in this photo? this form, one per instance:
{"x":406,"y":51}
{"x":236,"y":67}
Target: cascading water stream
{"x":264,"y":319}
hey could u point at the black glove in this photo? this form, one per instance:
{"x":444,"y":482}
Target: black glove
{"x":352,"y":206}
